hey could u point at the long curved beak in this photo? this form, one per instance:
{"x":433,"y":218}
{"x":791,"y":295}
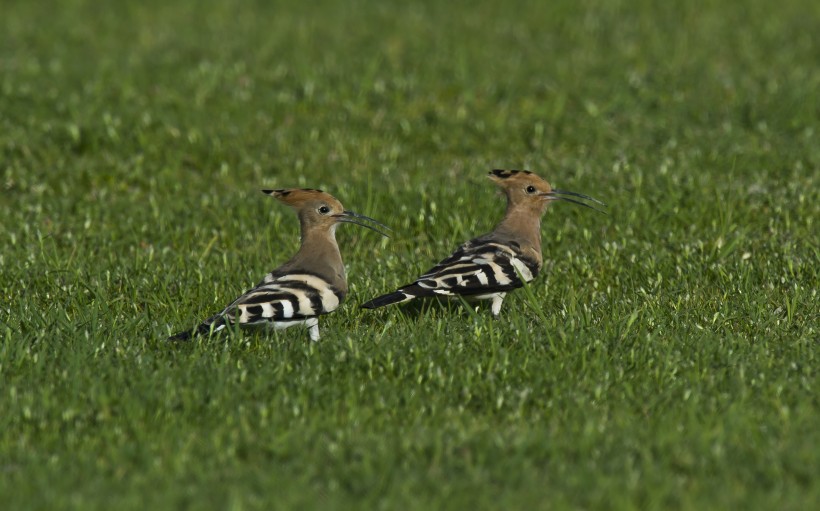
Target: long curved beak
{"x":556,"y":194}
{"x":351,"y":217}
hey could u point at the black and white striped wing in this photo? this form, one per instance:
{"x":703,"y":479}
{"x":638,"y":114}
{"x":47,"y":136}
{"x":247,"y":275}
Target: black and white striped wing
{"x":478,"y":267}
{"x":283,"y":298}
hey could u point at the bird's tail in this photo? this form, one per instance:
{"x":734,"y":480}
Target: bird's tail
{"x":213,"y":324}
{"x":388,"y":299}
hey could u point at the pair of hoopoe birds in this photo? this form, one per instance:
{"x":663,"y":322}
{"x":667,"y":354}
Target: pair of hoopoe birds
{"x":313,"y":282}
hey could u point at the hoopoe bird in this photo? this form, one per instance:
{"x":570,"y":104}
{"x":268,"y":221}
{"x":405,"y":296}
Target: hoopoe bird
{"x":488,"y":267}
{"x":310,"y":284}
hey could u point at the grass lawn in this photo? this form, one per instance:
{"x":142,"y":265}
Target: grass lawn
{"x":666,"y":358}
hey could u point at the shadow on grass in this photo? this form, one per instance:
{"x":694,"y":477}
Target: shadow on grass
{"x":419,"y":310}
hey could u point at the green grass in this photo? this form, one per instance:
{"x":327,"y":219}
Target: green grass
{"x":666,"y":358}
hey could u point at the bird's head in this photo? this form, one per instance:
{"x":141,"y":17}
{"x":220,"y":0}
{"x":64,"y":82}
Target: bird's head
{"x":527,"y":190}
{"x":317,"y":209}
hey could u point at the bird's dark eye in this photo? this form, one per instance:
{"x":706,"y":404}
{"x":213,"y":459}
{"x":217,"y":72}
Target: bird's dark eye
{"x":531,"y":189}
{"x":324,"y":210}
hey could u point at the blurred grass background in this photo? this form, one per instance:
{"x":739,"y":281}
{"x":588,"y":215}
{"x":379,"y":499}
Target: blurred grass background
{"x":665,"y":359}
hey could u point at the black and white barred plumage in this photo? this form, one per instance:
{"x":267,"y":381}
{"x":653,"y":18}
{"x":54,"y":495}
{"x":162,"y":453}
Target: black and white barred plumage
{"x":281,"y":300}
{"x":482,"y":268}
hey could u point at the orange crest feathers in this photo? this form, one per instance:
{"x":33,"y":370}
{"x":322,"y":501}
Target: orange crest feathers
{"x":515,"y":178}
{"x":297,"y":197}
{"x":500,"y":174}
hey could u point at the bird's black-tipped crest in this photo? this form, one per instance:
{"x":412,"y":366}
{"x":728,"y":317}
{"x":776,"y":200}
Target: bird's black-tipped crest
{"x":504,"y":174}
{"x":284,"y":192}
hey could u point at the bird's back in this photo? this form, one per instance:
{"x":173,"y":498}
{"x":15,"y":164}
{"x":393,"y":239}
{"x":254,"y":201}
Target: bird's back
{"x":286,"y":296}
{"x":486,"y":264}
{"x":483,"y":266}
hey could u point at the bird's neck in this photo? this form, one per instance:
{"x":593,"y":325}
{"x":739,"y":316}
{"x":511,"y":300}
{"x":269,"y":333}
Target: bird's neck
{"x":522,"y":225}
{"x":319,"y":254}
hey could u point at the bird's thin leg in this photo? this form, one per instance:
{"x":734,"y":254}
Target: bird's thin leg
{"x":313,"y":325}
{"x":498,"y":298}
